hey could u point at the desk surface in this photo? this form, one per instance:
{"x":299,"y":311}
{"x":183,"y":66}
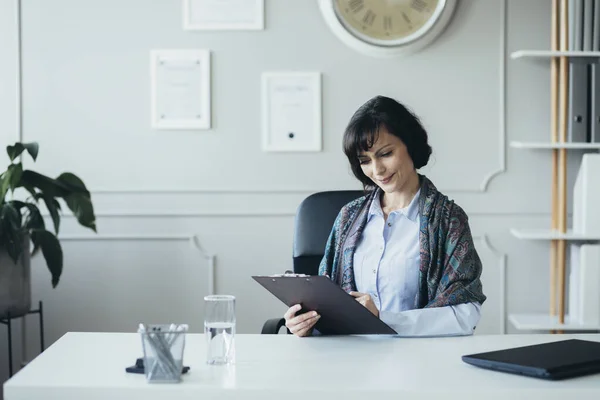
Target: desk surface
{"x":92,"y":366}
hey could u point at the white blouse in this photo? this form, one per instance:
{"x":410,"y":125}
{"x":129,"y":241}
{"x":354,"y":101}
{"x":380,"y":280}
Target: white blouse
{"x":386,"y":266}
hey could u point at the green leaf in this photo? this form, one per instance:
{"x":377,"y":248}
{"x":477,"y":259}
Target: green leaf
{"x":11,"y":234}
{"x":31,"y":191}
{"x":45,"y":184}
{"x":5,"y":183}
{"x":34,"y":220}
{"x":51,"y":206}
{"x":52,"y":252}
{"x":13,"y":246}
{"x":10,"y":179}
{"x":73,"y":182}
{"x":10,"y":215}
{"x":82,"y":208}
{"x":16,"y":150}
{"x":70,"y":188}
{"x":18,"y":204}
{"x":16,"y":175}
{"x":33,"y":149}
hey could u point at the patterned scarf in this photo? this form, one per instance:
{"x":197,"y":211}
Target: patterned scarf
{"x":450,"y":266}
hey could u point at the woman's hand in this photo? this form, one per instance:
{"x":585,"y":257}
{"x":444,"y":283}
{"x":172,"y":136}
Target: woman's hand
{"x":367,"y":301}
{"x":300,"y":325}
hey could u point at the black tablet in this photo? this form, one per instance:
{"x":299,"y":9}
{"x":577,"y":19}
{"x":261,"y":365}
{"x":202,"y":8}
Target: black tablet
{"x":340,"y":313}
{"x":555,"y":360}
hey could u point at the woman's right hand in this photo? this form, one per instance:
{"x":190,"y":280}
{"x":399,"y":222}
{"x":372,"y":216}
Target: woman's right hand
{"x":302,"y":324}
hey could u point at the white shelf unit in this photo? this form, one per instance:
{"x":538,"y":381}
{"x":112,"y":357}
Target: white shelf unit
{"x":548,"y":234}
{"x":545,"y":322}
{"x":549,"y":53}
{"x":551,"y":146}
{"x":540,"y":321}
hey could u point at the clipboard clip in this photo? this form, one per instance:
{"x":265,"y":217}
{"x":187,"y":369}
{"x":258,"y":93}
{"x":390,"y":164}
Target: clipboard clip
{"x":289,"y":274}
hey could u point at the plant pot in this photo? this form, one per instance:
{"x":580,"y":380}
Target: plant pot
{"x":15,"y":283}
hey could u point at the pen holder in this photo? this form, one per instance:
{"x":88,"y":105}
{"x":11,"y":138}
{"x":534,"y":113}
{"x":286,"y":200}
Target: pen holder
{"x":163,"y":352}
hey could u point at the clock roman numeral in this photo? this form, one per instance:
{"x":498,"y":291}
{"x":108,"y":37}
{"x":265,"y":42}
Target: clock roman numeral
{"x":369,"y":18}
{"x":387,"y":23}
{"x":418,"y":5}
{"x":408,"y":21}
{"x":356,"y":5}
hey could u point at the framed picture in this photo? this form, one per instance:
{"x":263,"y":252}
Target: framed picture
{"x":291,"y":111}
{"x":223,"y":14}
{"x":180,"y":89}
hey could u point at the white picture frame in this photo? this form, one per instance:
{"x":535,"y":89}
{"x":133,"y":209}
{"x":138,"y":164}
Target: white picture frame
{"x":291,"y":111}
{"x":214,"y":15}
{"x":180,"y":89}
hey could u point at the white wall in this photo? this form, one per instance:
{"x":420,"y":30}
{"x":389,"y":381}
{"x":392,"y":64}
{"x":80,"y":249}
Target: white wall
{"x":86,"y":101}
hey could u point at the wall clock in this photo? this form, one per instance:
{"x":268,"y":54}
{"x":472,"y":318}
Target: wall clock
{"x":387,"y":28}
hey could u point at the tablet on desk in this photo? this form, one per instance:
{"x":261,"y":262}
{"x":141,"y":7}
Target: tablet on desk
{"x":340,"y":313}
{"x":556,"y":360}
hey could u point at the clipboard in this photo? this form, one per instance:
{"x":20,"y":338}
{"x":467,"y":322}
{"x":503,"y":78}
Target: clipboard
{"x":340,"y":313}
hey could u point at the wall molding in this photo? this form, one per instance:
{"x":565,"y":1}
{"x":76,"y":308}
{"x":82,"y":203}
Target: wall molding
{"x":266,"y":214}
{"x":483,"y":187}
{"x":135,"y":236}
{"x":147,"y":190}
{"x":192,"y":238}
{"x":292,"y":190}
{"x":502,"y":90}
{"x":185,"y":214}
{"x":211,"y":257}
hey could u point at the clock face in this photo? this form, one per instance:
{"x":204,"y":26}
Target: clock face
{"x":388,"y":22}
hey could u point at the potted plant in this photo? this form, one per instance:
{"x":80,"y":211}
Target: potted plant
{"x":22,"y":225}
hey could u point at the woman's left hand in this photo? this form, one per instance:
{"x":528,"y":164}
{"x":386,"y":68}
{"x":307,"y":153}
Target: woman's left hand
{"x":366,"y":300}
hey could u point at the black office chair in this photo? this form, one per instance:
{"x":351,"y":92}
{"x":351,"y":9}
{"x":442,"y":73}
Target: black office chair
{"x":313,"y":223}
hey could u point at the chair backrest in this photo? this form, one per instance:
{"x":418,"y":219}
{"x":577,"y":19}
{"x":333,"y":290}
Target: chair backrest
{"x":314,"y":220}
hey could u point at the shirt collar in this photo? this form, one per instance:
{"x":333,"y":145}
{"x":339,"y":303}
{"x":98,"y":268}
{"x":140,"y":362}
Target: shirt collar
{"x":375,"y":209}
{"x":411,"y":211}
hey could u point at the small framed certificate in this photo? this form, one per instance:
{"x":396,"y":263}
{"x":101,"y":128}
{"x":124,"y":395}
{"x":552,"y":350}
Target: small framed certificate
{"x":291,"y":111}
{"x":180,"y":89}
{"x":223,"y":14}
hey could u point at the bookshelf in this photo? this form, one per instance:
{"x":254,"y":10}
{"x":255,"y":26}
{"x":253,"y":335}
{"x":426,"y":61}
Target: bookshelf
{"x":566,"y":136}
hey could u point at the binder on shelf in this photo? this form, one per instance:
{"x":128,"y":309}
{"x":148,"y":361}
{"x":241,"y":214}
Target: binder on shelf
{"x":579,"y":80}
{"x":594,"y":122}
{"x":586,"y":196}
{"x":588,"y":23}
{"x":579,"y":75}
{"x":590,"y":284}
{"x":576,"y":24}
{"x":596,"y":27}
{"x":594,"y":128}
{"x":571,"y":28}
{"x":584,"y":284}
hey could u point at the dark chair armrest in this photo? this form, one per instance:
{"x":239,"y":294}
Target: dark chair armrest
{"x":272,"y":326}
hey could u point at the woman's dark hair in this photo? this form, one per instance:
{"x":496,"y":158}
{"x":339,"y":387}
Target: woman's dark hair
{"x":383,"y":112}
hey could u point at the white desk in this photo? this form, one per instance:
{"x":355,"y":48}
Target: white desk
{"x":92,"y":366}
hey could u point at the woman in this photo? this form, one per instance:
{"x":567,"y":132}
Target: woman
{"x":404,"y":250}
